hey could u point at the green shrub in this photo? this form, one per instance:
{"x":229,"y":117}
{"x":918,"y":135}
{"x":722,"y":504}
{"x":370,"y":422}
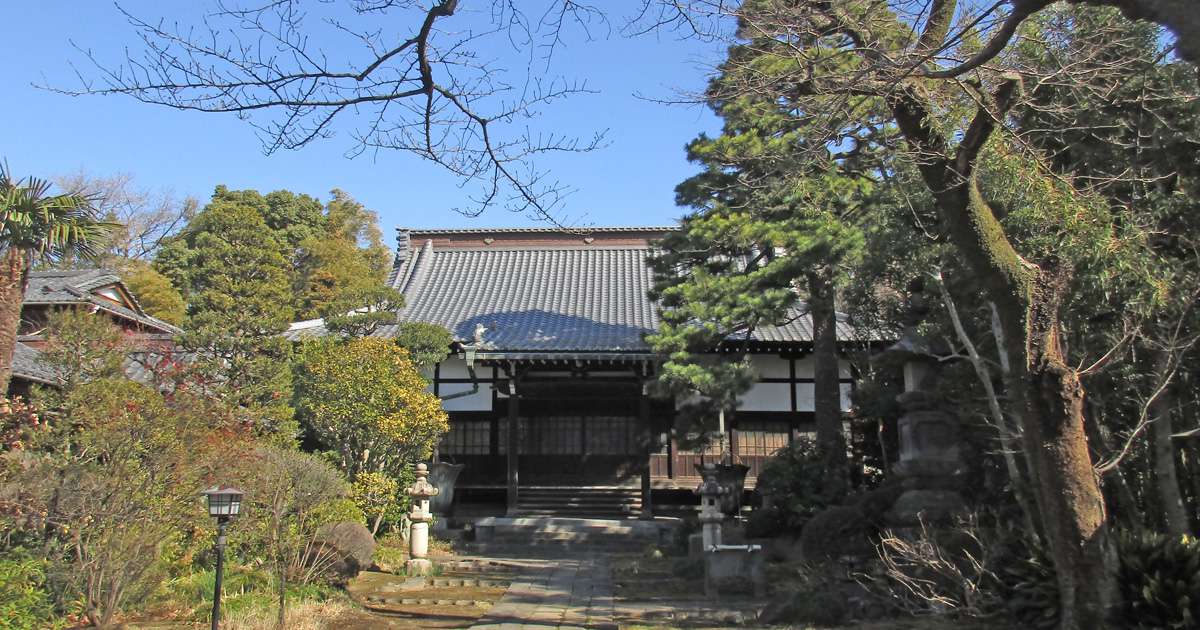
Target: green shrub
{"x":1160,"y":581}
{"x":688,"y":568}
{"x":1029,"y":584}
{"x":195,"y":590}
{"x":1159,"y":578}
{"x":24,"y":602}
{"x":243,"y":589}
{"x":823,"y":607}
{"x":766,"y":523}
{"x":799,"y":482}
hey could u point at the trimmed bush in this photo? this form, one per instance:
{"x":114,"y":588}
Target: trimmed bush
{"x":837,"y":532}
{"x":798,"y":481}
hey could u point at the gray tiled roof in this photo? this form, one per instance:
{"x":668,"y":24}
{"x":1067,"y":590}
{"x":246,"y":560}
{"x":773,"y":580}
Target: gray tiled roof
{"x":27,"y":365}
{"x":546,"y":299}
{"x":75,"y":286}
{"x":539,"y":298}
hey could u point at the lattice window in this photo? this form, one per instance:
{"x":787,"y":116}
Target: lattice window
{"x":761,"y":438}
{"x":468,"y":437}
{"x":612,"y":435}
{"x":554,"y":436}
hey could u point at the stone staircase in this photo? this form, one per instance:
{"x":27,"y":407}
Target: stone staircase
{"x":569,"y":534}
{"x":591,"y":502}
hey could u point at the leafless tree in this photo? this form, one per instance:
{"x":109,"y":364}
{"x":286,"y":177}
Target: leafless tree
{"x":148,"y":217}
{"x":397,"y":74}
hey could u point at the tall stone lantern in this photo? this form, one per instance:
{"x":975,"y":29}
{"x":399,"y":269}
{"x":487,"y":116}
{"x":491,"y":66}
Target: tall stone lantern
{"x":418,"y":540}
{"x":930,"y":465}
{"x":711,"y":491}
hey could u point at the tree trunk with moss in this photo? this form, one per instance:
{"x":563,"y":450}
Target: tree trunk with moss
{"x":1043,"y":386}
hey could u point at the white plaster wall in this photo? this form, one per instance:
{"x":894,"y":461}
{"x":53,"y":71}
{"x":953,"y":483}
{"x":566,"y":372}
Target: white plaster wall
{"x":479,"y":401}
{"x":804,"y":367}
{"x":768,"y":366}
{"x":455,"y":367}
{"x":767,"y":397}
{"x":804,"y":396}
{"x":111,"y":294}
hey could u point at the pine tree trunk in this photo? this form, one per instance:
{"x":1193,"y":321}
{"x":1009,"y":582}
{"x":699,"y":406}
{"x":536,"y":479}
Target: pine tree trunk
{"x":14,"y":275}
{"x":827,"y":388}
{"x":1166,"y":478}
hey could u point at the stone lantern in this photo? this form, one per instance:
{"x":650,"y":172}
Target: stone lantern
{"x":418,"y":540}
{"x":930,"y":464}
{"x":711,"y":491}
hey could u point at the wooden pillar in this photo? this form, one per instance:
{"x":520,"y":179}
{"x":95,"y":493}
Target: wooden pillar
{"x":648,"y":444}
{"x":513,"y":439}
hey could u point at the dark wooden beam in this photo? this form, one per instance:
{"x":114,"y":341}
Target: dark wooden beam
{"x":513,"y":443}
{"x":648,"y":443}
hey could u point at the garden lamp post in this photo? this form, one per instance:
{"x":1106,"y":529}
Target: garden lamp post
{"x":224,"y":503}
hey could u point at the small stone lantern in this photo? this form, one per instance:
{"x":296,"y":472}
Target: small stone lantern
{"x":418,"y":539}
{"x":711,"y":491}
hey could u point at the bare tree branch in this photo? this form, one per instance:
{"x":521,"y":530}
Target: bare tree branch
{"x":430,"y":92}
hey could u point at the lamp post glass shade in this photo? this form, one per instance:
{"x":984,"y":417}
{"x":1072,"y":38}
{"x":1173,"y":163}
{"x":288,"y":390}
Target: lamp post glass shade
{"x":224,"y":501}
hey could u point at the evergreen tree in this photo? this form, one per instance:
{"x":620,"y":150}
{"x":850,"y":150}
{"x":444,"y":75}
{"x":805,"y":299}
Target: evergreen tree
{"x":154,"y":291}
{"x":769,"y":242}
{"x":239,"y":301}
{"x":345,"y":263}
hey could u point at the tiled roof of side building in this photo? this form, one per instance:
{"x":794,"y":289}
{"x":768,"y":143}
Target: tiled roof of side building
{"x":76,"y":286}
{"x":27,"y":364}
{"x":538,"y":297}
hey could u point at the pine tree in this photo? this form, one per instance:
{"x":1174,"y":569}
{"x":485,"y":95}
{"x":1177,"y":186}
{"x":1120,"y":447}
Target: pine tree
{"x":767,"y":242}
{"x":239,"y":301}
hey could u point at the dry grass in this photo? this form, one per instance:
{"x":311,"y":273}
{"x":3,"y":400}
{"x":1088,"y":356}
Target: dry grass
{"x":302,"y":615}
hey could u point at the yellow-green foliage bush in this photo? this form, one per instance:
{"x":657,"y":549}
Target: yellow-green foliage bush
{"x":365,"y":400}
{"x":24,"y":602}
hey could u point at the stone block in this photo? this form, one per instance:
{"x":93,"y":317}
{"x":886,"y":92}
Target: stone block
{"x":419,"y":566}
{"x":741,"y":563}
{"x":929,"y":506}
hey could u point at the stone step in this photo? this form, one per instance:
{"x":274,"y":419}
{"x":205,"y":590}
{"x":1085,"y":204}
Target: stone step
{"x":578,"y":498}
{"x":556,"y":524}
{"x":476,"y":566}
{"x":564,"y":537}
{"x":605,"y":534}
{"x":443,"y":582}
{"x":502,"y":548}
{"x":550,"y":508}
{"x":568,"y":501}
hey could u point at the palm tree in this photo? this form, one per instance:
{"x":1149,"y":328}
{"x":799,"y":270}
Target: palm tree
{"x":37,"y":226}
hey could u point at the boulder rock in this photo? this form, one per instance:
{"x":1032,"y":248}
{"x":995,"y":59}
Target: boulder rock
{"x":350,"y":543}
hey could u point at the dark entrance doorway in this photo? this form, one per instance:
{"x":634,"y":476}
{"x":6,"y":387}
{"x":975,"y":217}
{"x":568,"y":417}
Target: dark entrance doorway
{"x":578,"y":443}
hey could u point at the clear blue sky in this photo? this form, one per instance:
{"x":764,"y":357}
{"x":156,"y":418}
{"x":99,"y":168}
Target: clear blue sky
{"x":629,"y":182}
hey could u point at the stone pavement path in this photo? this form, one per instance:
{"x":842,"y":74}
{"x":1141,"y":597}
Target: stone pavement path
{"x":568,"y":593}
